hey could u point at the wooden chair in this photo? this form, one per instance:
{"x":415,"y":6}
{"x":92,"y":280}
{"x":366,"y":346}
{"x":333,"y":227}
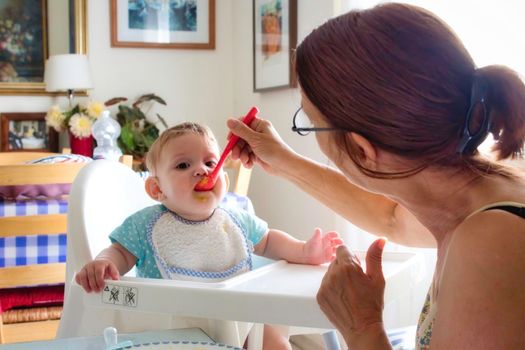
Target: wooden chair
{"x":14,"y":172}
{"x":239,"y":176}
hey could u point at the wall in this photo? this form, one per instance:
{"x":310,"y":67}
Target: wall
{"x":280,"y":203}
{"x":196,"y":84}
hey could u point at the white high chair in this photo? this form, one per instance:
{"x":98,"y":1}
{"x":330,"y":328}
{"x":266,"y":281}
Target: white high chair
{"x":106,"y":192}
{"x":103,"y":195}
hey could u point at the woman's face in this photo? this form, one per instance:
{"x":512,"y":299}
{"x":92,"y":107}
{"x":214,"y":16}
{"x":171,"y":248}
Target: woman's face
{"x":325,"y":139}
{"x":328,"y":145}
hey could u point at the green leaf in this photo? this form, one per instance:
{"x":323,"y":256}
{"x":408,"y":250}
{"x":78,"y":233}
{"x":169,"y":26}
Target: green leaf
{"x":126,"y":136}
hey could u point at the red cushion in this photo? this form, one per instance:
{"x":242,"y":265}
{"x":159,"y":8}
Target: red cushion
{"x":31,"y":296}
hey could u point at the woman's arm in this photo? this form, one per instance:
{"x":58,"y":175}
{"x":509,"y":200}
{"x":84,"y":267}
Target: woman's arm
{"x":371,"y":212}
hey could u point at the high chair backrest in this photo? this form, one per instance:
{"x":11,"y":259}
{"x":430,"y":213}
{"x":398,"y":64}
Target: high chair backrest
{"x":103,"y":195}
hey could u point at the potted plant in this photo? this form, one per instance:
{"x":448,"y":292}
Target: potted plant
{"x":137,"y":132}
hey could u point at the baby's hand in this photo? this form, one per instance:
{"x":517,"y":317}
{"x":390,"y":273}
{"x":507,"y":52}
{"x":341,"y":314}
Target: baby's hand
{"x":93,"y":274}
{"x":321,"y":248}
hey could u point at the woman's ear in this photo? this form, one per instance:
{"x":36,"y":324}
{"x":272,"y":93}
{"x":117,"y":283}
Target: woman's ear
{"x":367,"y":151}
{"x":153,"y":188}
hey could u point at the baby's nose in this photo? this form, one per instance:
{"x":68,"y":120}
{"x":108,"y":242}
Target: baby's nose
{"x":201,"y":170}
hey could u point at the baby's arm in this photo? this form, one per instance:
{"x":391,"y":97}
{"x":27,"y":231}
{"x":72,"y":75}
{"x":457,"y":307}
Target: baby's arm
{"x":320,"y":248}
{"x":110,"y":263}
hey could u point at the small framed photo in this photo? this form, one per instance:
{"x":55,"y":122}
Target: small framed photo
{"x":26,"y":132}
{"x":168,"y":24}
{"x":274,"y":39}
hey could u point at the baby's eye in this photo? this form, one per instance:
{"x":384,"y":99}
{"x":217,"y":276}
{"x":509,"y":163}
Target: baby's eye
{"x":183,"y":166}
{"x":211,"y":163}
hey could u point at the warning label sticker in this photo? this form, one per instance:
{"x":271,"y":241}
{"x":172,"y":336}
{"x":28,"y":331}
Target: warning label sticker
{"x":120,"y":295}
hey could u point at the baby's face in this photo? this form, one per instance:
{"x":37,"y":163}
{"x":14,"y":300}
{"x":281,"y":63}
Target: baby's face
{"x":184,"y":161}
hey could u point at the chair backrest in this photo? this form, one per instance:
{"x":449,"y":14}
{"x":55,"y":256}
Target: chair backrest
{"x":239,"y":176}
{"x":102,"y":196}
{"x":13,"y":172}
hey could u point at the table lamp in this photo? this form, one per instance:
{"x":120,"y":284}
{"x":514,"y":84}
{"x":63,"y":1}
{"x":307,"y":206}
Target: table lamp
{"x":68,"y":72}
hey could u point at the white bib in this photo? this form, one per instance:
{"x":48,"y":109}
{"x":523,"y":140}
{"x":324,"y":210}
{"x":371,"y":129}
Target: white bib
{"x":210,"y":251}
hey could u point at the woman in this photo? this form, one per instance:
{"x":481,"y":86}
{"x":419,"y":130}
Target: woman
{"x":398,"y":105}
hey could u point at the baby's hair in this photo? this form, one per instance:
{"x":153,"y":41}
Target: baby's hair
{"x":155,"y":150}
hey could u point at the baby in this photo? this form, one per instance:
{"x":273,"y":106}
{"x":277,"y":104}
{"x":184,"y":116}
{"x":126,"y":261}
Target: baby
{"x":190,"y":236}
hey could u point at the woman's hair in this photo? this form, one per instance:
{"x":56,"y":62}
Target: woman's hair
{"x":399,"y":76}
{"x":153,"y":155}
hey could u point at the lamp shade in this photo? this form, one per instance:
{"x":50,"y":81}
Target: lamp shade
{"x":67,"y":72}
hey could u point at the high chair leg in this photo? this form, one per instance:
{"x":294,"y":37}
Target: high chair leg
{"x":255,"y":337}
{"x":330,"y":341}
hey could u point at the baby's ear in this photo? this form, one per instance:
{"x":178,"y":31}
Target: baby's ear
{"x":153,"y":188}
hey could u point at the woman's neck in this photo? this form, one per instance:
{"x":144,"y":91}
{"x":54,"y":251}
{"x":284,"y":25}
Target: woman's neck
{"x":441,"y":200}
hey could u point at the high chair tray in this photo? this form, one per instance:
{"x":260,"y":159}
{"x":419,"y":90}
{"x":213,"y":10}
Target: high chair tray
{"x":277,"y":293}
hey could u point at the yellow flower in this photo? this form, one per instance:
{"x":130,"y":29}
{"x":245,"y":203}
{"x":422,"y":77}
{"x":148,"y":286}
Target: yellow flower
{"x":94,"y":109}
{"x":80,"y":125}
{"x":55,"y":118}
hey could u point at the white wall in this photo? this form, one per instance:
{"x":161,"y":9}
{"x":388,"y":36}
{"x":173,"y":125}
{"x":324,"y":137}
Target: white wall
{"x":196,"y":84}
{"x":277,"y":201}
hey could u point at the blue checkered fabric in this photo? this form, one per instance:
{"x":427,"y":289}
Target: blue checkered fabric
{"x":34,"y":249}
{"x":32,"y":207}
{"x":29,"y":250}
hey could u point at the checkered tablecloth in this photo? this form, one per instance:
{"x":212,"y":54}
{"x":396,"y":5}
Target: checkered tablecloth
{"x":34,"y":249}
{"x":32,"y":207}
{"x":44,"y":249}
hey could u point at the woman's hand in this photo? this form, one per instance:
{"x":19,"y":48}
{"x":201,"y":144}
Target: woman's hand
{"x":320,"y":248}
{"x":353,"y":300}
{"x":93,"y":274}
{"x":260,"y":144}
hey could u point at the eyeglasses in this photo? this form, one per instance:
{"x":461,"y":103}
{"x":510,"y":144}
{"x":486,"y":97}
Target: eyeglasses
{"x":303,"y":126}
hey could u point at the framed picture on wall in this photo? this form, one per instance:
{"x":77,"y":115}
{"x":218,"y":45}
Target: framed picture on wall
{"x":26,"y":132}
{"x":23,"y":43}
{"x":274,"y":38}
{"x":171,"y":24}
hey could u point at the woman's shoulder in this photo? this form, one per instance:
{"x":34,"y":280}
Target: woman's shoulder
{"x":483,"y":269}
{"x":489,"y":232}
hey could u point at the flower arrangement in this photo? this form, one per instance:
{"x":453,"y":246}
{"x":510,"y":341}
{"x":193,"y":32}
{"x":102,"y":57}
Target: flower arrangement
{"x":78,"y":120}
{"x":137,"y":132}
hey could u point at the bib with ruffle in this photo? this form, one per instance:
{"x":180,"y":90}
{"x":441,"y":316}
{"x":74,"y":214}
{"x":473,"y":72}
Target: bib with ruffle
{"x":211,"y":250}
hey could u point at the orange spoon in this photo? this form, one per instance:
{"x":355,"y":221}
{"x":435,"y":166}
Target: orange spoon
{"x":208,"y":182}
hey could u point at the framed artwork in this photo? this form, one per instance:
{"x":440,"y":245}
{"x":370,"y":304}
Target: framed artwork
{"x":26,"y":132}
{"x":274,"y":39}
{"x":165,"y":24}
{"x":30,"y":31}
{"x":23,"y":41}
